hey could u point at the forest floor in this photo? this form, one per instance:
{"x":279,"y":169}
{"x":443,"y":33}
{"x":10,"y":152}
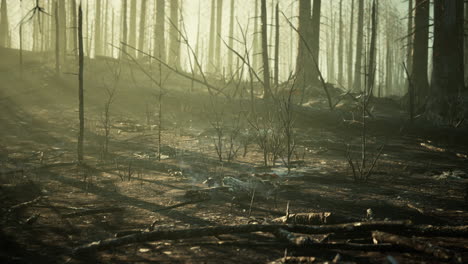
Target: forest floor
{"x":422,"y":174}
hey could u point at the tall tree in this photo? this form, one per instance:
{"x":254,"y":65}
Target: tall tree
{"x":265,"y":58}
{"x":97,"y":29}
{"x":174,"y":46}
{"x":132,"y":33}
{"x":80,"y":84}
{"x":350,"y":48}
{"x":124,"y":29}
{"x":141,"y":34}
{"x":340,"y":45}
{"x":57,"y":39}
{"x":277,"y":44}
{"x":420,"y":50}
{"x":231,"y":36}
{"x":359,"y":47}
{"x":315,"y":38}
{"x":255,"y":44}
{"x":371,"y":65}
{"x":219,"y":30}
{"x":159,"y":31}
{"x":304,"y":61}
{"x":409,"y":41}
{"x":211,"y":44}
{"x":74,"y":31}
{"x":4,"y":24}
{"x":448,"y":67}
{"x":62,"y":16}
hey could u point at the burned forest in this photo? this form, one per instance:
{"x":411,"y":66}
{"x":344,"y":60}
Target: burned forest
{"x":233,"y":131}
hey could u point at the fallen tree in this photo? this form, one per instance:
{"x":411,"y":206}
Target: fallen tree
{"x":175,"y":234}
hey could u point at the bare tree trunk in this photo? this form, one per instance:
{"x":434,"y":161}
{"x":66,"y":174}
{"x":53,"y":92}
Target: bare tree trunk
{"x":315,"y":37}
{"x":219,"y":30}
{"x":4,"y":24}
{"x":255,"y":45}
{"x":159,"y":33}
{"x":63,"y":31}
{"x":211,"y":47}
{"x":231,"y":37}
{"x":97,"y":29}
{"x":132,"y":34}
{"x":340,"y":46}
{"x":141,"y":36}
{"x":350,"y":48}
{"x":420,"y":51}
{"x":277,"y":44}
{"x":359,"y":46}
{"x":124,"y":29}
{"x":174,"y":46}
{"x":266,"y":67}
{"x":80,"y":84}
{"x":57,"y":39}
{"x":74,"y":28}
{"x":302,"y":66}
{"x":371,"y":65}
{"x":409,"y":41}
{"x":448,"y":67}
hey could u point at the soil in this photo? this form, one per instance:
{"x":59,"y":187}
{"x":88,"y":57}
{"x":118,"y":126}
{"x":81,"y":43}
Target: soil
{"x":421,"y":175}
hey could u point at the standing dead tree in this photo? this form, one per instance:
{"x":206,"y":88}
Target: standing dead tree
{"x":80,"y":84}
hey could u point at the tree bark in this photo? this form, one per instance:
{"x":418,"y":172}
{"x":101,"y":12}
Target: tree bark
{"x":265,"y":58}
{"x":159,"y":31}
{"x":350,"y":48}
{"x":448,"y":64}
{"x":277,"y":44}
{"x":372,"y":67}
{"x":359,"y":47}
{"x":303,"y":61}
{"x":74,"y":29}
{"x":315,"y":38}
{"x":420,"y":51}
{"x":97,"y":30}
{"x":141,"y":36}
{"x":124,"y":29}
{"x":4,"y":24}
{"x":231,"y":37}
{"x":219,"y":30}
{"x":132,"y":34}
{"x":340,"y":46}
{"x":80,"y":84}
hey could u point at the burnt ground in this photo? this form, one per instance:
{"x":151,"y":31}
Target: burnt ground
{"x":421,"y":175}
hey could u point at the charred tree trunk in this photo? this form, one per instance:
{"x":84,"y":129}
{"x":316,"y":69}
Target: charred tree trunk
{"x":304,"y":60}
{"x":371,"y":65}
{"x":63,"y":31}
{"x":159,"y":32}
{"x":141,"y":34}
{"x":231,"y":37}
{"x":315,"y":38}
{"x":174,"y":46}
{"x":340,"y":45}
{"x":420,"y":51}
{"x":124,"y":34}
{"x":350,"y":48}
{"x":448,"y":67}
{"x":211,"y":48}
{"x":359,"y":48}
{"x":97,"y":30}
{"x":255,"y":45}
{"x":409,"y":42}
{"x":277,"y":43}
{"x":265,"y":58}
{"x":219,"y":25}
{"x":74,"y":29}
{"x":4,"y":24}
{"x":132,"y":33}
{"x":80,"y":84}
{"x":57,"y":39}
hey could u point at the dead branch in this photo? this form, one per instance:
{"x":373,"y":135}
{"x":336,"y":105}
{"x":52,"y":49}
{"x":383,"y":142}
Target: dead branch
{"x":417,"y":245}
{"x":93,"y":211}
{"x":25,"y":204}
{"x":176,"y":234}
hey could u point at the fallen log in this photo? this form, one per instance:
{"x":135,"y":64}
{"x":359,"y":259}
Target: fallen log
{"x":417,"y":245}
{"x":304,"y":218}
{"x":176,"y":234}
{"x":93,"y":211}
{"x":25,"y":204}
{"x":291,"y":238}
